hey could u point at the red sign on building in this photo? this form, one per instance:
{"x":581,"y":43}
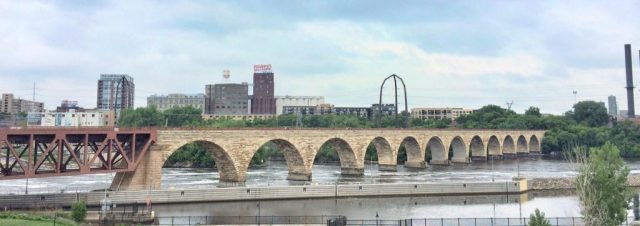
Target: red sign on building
{"x":262,"y":68}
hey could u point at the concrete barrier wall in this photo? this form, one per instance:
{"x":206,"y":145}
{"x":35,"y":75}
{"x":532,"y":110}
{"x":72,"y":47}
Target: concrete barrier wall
{"x":266,"y":193}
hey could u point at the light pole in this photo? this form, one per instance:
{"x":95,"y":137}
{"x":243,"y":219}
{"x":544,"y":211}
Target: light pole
{"x":575,"y":97}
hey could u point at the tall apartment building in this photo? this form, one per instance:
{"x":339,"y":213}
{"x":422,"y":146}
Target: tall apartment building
{"x":166,"y":102}
{"x":439,"y":113}
{"x":227,"y":99}
{"x":115,"y":91}
{"x":613,"y":106}
{"x":297,"y":101}
{"x":263,"y":101}
{"x":12,"y":105}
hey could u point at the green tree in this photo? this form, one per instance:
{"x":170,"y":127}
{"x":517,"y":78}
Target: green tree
{"x":141,"y":117}
{"x":183,"y":116}
{"x":590,"y":113}
{"x":537,"y":219}
{"x":79,"y":211}
{"x":533,"y":111}
{"x":601,"y":185}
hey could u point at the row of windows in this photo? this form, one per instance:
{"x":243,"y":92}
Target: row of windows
{"x":230,"y":107}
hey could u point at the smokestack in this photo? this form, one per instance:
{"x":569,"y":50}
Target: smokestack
{"x":630,"y":103}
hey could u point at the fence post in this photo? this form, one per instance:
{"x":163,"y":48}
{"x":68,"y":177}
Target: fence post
{"x":573,"y":221}
{"x":458,"y":221}
{"x":189,"y":220}
{"x":441,"y":221}
{"x":557,"y":221}
{"x":172,"y":220}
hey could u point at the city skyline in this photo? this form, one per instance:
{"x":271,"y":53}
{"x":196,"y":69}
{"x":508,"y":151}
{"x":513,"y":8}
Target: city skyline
{"x":450,"y":54}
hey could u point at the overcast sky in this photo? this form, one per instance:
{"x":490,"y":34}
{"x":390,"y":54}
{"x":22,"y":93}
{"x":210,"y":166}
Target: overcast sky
{"x":450,"y":53}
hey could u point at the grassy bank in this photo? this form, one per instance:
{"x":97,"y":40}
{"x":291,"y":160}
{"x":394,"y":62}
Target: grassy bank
{"x":20,"y":219}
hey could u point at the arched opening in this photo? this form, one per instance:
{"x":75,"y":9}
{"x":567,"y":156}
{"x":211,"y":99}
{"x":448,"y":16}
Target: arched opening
{"x":379,"y":151}
{"x":336,"y":149}
{"x":493,"y":147}
{"x":534,"y":144}
{"x":210,"y":157}
{"x":435,"y":149}
{"x":268,"y":156}
{"x":478,"y":151}
{"x":508,"y":147}
{"x":458,"y":151}
{"x":411,"y":148}
{"x":521,"y":146}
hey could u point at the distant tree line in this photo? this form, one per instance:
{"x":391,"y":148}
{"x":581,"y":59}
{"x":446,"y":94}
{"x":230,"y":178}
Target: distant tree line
{"x":586,"y":124}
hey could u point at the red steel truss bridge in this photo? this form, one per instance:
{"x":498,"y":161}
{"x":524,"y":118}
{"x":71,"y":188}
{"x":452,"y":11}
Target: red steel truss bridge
{"x":47,"y":152}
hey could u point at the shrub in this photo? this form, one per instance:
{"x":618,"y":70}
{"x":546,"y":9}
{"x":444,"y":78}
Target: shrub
{"x":537,"y":219}
{"x":79,"y":211}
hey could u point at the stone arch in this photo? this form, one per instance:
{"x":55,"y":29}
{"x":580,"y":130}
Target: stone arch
{"x":477,"y":148}
{"x":298,"y":170}
{"x":415,"y":159}
{"x":460,"y":152}
{"x":534,"y":144}
{"x":521,"y":145}
{"x":438,"y":152}
{"x":508,"y":146}
{"x":386,"y":158}
{"x":348,"y":160}
{"x":493,"y":146}
{"x":224,"y":163}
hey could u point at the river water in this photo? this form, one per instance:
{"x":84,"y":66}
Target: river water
{"x":275,"y":173}
{"x":553,"y":203}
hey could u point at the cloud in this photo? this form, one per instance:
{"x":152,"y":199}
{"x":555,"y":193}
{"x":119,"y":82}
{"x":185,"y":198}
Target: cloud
{"x":450,"y":54}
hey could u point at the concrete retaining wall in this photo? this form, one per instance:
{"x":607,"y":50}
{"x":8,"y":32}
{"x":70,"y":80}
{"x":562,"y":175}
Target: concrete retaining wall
{"x":265,"y":193}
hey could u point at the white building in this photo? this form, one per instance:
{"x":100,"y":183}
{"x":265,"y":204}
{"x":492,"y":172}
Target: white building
{"x":75,"y":119}
{"x":163,"y":103}
{"x":439,"y":113}
{"x":298,"y":101}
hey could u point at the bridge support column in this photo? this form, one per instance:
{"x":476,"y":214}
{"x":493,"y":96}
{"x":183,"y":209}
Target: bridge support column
{"x":416,"y":164}
{"x":478,"y":158}
{"x":439,"y":162}
{"x":388,"y":167}
{"x":148,"y":175}
{"x":352,"y":171}
{"x":460,"y":160}
{"x":299,"y":176}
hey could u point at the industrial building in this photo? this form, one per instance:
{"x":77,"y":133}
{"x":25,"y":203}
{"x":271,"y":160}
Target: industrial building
{"x":227,"y":99}
{"x":297,"y":101}
{"x":263,"y":100}
{"x":166,"y":102}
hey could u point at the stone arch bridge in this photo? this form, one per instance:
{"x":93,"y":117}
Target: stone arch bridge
{"x":233,"y":149}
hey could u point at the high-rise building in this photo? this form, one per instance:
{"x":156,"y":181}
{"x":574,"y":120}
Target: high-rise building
{"x":115,"y":92}
{"x":166,"y":102}
{"x":263,"y":101}
{"x":613,"y":106}
{"x":227,"y":99}
{"x":12,"y":105}
{"x":297,"y":101}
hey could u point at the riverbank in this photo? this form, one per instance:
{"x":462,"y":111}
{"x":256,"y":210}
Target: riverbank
{"x":566,"y":183}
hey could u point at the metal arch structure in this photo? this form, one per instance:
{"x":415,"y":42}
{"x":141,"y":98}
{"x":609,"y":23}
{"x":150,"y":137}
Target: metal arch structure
{"x":395,"y":86}
{"x":42,"y":152}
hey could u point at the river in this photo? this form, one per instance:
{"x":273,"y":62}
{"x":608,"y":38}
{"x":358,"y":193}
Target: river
{"x":275,"y":173}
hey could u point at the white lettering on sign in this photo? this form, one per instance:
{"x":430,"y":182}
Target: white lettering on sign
{"x":262,"y":68}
